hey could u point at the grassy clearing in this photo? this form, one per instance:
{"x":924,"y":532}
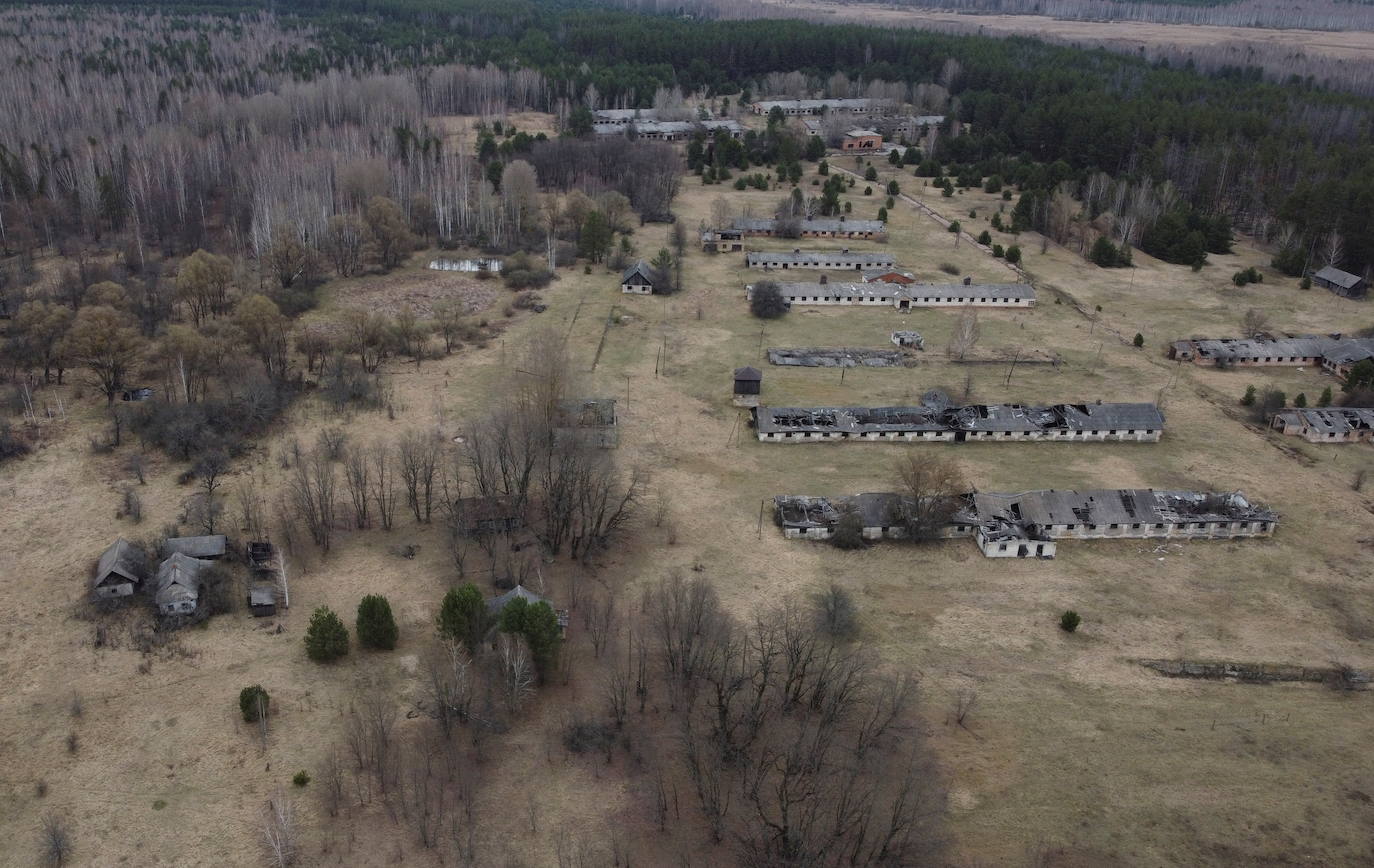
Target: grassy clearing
{"x":1070,"y":744}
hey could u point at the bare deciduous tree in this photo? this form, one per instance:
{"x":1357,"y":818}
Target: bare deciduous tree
{"x":279,"y":831}
{"x":1254,"y":323}
{"x":930,"y":488}
{"x":965,"y":334}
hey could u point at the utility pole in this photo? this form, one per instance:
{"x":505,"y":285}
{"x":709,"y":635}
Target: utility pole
{"x":1014,"y":359}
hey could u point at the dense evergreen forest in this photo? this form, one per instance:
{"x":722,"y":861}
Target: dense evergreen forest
{"x":1291,"y":162}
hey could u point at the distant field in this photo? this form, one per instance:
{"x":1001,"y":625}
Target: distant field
{"x":1349,"y":45}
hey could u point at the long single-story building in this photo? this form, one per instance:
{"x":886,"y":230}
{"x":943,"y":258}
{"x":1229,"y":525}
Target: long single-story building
{"x":993,"y":423}
{"x":844,"y":259}
{"x":907,"y":297}
{"x":205,"y":548}
{"x":819,"y":227}
{"x":668,"y":131}
{"x":1030,"y":524}
{"x":1327,"y":424}
{"x":1341,"y":282}
{"x":800,"y":107}
{"x":120,"y":570}
{"x":1335,"y":354}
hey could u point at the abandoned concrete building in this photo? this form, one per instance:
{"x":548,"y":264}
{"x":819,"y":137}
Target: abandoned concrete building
{"x":861,"y":140}
{"x":591,"y":419}
{"x":1342,"y":283}
{"x":621,"y":117}
{"x":1030,"y":524}
{"x":1327,"y":424}
{"x":1135,"y":423}
{"x":909,"y":339}
{"x":819,"y":227}
{"x":906,"y":297}
{"x":800,"y":107}
{"x":120,"y":570}
{"x":722,"y":241}
{"x":178,"y":584}
{"x":837,"y":357}
{"x":667,"y":131}
{"x":837,"y":260}
{"x":1335,"y":354}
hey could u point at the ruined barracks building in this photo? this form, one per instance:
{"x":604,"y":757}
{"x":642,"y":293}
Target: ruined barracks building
{"x":1031,"y":523}
{"x":819,"y":227}
{"x":1137,"y":423}
{"x":906,"y":296}
{"x":1327,"y":424}
{"x":1334,"y":353}
{"x":835,"y":260}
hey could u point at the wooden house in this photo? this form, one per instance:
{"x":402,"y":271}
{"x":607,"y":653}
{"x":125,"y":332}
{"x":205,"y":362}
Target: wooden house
{"x":748,"y":380}
{"x":262,"y":601}
{"x":1342,"y":283}
{"x":178,"y":584}
{"x":120,"y":571}
{"x":641,"y":279}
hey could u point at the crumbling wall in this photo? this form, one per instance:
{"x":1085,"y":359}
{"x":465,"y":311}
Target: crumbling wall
{"x":837,"y":357}
{"x":1342,"y":677}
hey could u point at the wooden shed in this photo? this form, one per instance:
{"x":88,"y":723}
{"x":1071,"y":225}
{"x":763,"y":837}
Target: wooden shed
{"x":262,"y":601}
{"x":205,"y":548}
{"x":748,"y":380}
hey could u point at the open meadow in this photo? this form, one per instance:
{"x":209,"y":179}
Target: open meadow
{"x":1072,"y":753}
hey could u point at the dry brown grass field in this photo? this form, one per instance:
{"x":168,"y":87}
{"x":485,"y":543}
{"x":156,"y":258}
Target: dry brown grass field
{"x":1128,"y":35}
{"x":1073,"y":751}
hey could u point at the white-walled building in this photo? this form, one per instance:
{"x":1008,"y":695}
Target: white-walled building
{"x":1030,"y":524}
{"x":905,"y":297}
{"x":989,"y":423}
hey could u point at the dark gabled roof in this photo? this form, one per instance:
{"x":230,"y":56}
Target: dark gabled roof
{"x":179,"y":577}
{"x":496,"y":604}
{"x":1334,"y":275}
{"x":641,"y":269}
{"x":195,"y":546}
{"x":519,"y":592}
{"x":748,"y":373}
{"x":122,"y":558}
